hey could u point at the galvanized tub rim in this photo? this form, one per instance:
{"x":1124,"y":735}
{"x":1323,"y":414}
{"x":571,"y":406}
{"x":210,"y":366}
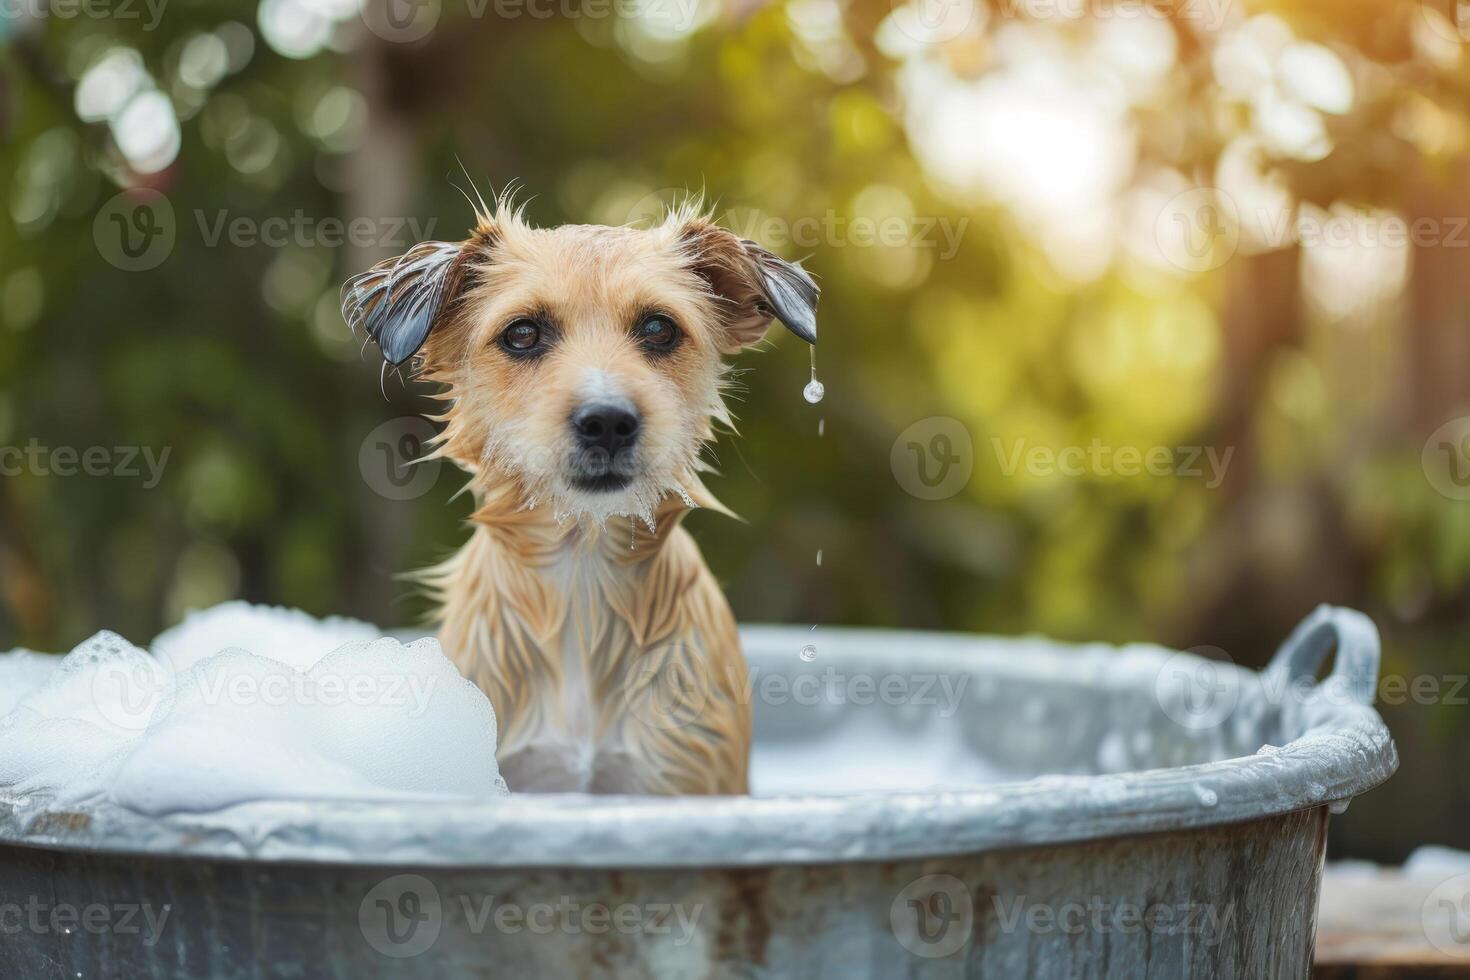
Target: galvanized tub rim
{"x":1340,"y":749}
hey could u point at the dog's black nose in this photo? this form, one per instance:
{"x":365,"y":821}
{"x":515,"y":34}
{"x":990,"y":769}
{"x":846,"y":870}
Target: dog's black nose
{"x":609,"y":427}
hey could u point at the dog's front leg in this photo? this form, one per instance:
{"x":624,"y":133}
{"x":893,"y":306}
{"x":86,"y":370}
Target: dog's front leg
{"x":546,"y":767}
{"x":685,"y":729}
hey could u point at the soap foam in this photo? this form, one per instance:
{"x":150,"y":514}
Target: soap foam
{"x":242,"y":703}
{"x":288,"y":635}
{"x":21,"y":672}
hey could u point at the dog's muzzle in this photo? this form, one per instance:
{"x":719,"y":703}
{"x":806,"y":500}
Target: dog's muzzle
{"x":607,"y":441}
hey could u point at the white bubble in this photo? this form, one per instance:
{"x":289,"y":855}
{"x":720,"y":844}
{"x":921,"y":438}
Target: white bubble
{"x":147,"y":132}
{"x":108,"y":85}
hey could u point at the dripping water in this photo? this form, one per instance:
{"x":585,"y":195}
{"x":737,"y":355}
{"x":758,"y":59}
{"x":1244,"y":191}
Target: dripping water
{"x":814,"y":389}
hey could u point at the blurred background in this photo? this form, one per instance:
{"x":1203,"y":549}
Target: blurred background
{"x":1141,"y":321}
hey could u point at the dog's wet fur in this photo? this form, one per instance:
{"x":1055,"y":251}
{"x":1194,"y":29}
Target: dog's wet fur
{"x":582,"y":371}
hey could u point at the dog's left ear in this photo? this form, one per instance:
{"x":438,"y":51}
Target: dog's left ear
{"x":399,"y":300}
{"x":757,"y":285}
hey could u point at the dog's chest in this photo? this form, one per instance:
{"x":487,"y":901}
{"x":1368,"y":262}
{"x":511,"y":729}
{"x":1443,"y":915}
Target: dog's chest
{"x":595,"y":653}
{"x":595,"y":659}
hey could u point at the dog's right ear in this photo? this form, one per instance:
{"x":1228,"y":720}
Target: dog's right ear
{"x":398,"y":301}
{"x":755,"y":285}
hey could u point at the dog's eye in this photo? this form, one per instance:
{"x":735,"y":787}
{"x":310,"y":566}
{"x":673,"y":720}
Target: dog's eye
{"x":658,"y":333}
{"x":521,"y":336}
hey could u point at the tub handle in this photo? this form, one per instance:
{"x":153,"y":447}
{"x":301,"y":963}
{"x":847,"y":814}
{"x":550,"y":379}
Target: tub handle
{"x":1354,"y":669}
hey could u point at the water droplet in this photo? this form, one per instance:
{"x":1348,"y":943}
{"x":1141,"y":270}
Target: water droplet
{"x":1338,"y":807}
{"x":1205,"y":795}
{"x":1112,"y":752}
{"x":809,"y":653}
{"x":819,"y":557}
{"x":814,"y":389}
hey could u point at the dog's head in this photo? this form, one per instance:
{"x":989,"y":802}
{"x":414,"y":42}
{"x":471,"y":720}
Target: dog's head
{"x":583,"y":362}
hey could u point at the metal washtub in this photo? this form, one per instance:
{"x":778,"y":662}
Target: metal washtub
{"x":1177,"y":830}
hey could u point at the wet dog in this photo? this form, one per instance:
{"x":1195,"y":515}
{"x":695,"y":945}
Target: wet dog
{"x":582,"y":370}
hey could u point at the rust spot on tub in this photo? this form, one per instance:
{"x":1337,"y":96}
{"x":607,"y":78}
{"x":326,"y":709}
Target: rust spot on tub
{"x":745,"y":924}
{"x":59,"y":822}
{"x":984,"y":905}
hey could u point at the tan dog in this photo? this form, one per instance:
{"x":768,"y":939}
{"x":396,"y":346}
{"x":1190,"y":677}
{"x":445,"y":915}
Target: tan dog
{"x":582,"y":369}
